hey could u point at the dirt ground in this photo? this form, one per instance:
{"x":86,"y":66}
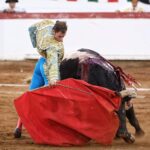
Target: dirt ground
{"x":15,"y":72}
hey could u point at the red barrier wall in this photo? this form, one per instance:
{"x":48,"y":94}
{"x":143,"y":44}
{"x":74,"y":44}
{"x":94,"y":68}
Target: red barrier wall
{"x":74,"y":15}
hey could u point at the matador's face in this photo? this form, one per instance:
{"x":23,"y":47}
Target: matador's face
{"x":59,"y":36}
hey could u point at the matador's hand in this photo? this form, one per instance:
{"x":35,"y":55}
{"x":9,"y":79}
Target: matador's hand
{"x":53,"y":82}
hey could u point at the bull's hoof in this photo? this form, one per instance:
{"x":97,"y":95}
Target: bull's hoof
{"x":139,"y":133}
{"x":127,"y":137}
{"x":17,"y":133}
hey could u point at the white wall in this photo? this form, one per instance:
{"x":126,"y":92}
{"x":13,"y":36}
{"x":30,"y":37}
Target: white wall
{"x":113,"y":38}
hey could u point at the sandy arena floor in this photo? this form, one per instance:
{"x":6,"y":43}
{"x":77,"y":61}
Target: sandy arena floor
{"x":15,"y":72}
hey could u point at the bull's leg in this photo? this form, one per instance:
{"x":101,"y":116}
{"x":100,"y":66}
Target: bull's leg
{"x":134,"y":121}
{"x":18,"y":130}
{"x":122,"y":131}
{"x":130,"y":114}
{"x":128,"y":94}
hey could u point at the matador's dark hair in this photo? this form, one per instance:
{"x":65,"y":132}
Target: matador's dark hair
{"x":60,"y":26}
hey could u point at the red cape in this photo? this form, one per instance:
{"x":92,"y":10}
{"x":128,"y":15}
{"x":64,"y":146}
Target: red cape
{"x":70,"y":113}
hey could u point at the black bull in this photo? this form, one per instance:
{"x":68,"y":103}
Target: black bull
{"x":95,"y":70}
{"x":98,"y":72}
